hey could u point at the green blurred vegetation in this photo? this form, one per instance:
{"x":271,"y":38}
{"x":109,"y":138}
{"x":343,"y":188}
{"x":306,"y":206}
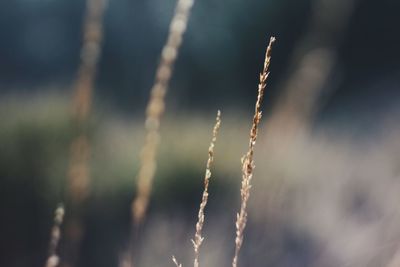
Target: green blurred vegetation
{"x":34,"y":152}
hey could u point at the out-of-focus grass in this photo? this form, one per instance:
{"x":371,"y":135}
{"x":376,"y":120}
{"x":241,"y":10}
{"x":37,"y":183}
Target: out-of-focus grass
{"x":319,"y":199}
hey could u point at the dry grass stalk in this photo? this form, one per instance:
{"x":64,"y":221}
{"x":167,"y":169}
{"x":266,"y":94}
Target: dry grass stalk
{"x":176,"y":262}
{"x":55,"y":236}
{"x":155,"y":109}
{"x":90,"y":54}
{"x":247,"y":160}
{"x":198,"y":239}
{"x":79,"y":170}
{"x":78,"y":173}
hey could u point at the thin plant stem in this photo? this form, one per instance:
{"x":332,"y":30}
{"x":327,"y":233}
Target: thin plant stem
{"x":53,"y":259}
{"x":198,"y":238}
{"x":248,"y":159}
{"x":155,"y":109}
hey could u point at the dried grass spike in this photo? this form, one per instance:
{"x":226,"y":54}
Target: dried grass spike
{"x":90,"y":55}
{"x":155,"y":109}
{"x":198,"y":239}
{"x":247,"y":160}
{"x":176,"y":262}
{"x":55,"y":236}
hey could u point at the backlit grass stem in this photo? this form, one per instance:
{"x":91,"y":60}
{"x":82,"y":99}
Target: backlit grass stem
{"x":198,"y":239}
{"x":155,"y":109}
{"x":248,"y":159}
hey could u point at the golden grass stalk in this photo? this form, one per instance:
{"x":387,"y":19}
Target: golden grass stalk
{"x":55,"y":236}
{"x":90,"y":54}
{"x":155,"y":109}
{"x":247,"y":160}
{"x":198,"y":239}
{"x":78,"y":170}
{"x":78,"y":173}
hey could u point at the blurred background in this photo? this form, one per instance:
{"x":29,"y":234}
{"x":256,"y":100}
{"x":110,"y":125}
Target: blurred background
{"x":327,"y":181}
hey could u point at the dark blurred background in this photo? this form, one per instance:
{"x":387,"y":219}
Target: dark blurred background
{"x":335,"y":65}
{"x":222,"y":52}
